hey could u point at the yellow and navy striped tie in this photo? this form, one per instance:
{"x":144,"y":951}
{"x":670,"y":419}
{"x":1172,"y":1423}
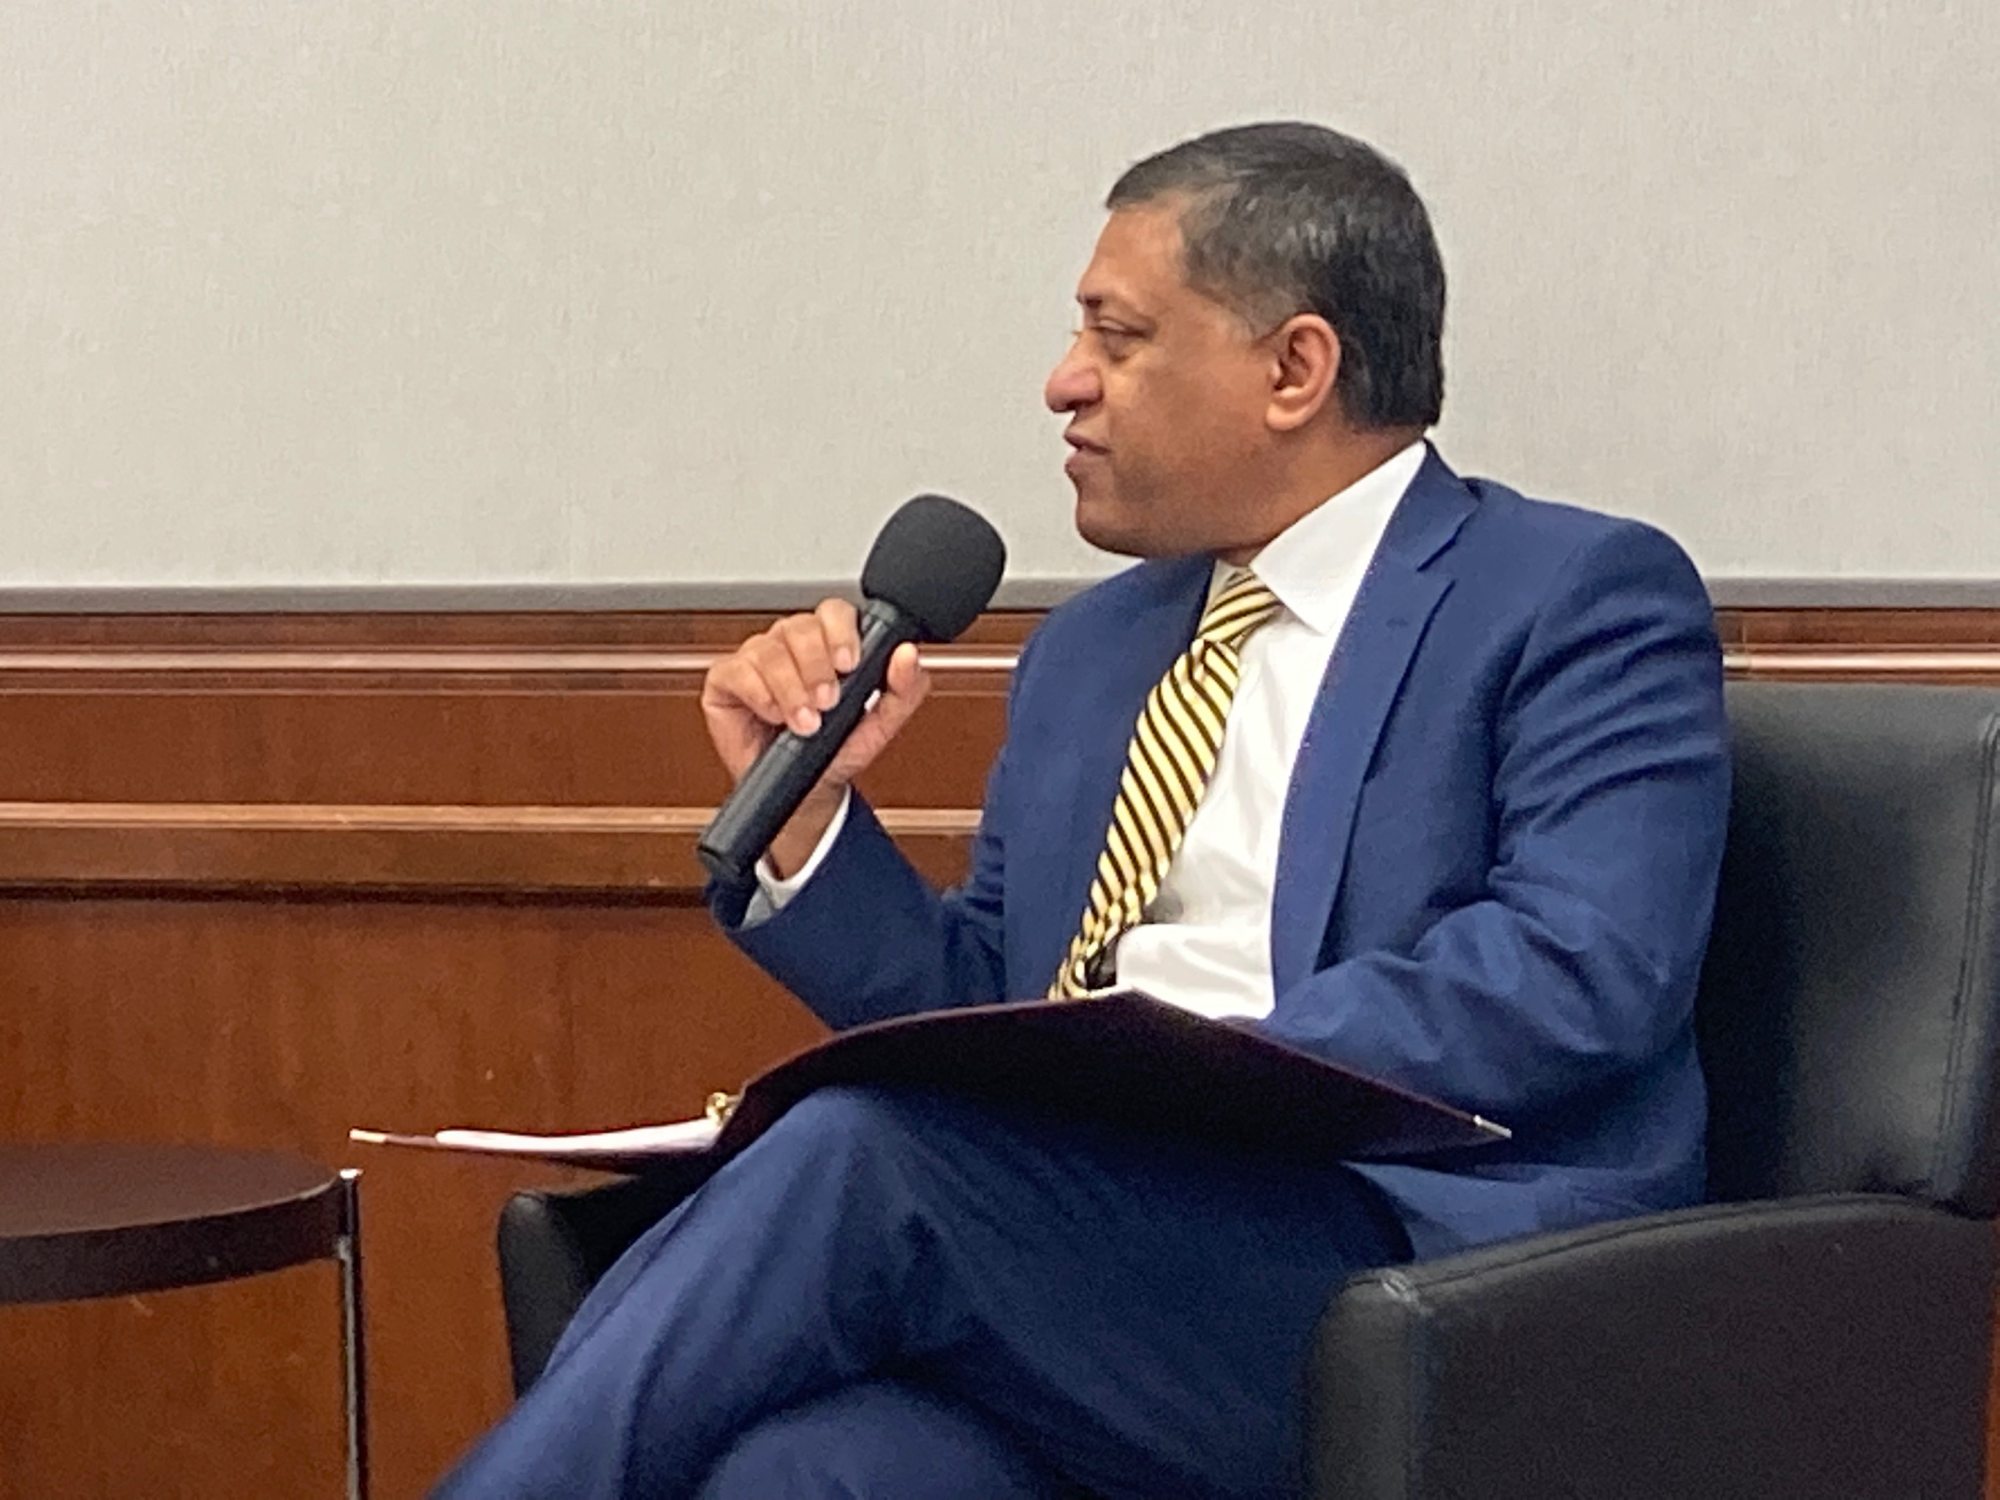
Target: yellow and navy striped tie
{"x":1173,"y":753}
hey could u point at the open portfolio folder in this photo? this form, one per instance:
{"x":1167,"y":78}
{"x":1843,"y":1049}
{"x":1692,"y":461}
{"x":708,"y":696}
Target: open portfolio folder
{"x":1124,"y":1058}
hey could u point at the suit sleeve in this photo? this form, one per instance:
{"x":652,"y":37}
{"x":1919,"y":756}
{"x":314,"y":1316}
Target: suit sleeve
{"x":868,"y":938}
{"x":1610,"y":800}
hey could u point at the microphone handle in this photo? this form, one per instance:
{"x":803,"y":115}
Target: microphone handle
{"x":792,"y":764}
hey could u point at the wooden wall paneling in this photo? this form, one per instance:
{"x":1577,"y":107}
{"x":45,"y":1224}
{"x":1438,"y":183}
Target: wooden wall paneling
{"x":282,"y":1022}
{"x":433,"y":733}
{"x":1868,"y":629}
{"x":262,"y":878}
{"x":227,"y":1390}
{"x":274,"y":1023}
{"x":644,"y":854}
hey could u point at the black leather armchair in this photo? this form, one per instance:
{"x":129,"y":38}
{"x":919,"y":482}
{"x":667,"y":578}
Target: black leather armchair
{"x":1821,"y":1329}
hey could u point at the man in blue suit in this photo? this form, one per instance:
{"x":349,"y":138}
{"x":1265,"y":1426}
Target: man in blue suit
{"x":1458,"y":826}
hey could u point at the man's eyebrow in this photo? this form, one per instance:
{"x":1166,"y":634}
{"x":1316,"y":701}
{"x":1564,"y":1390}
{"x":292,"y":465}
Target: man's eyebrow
{"x":1098,"y":302}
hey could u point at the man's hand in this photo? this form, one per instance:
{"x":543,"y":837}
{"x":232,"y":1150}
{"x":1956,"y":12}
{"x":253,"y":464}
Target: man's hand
{"x":783,"y":679}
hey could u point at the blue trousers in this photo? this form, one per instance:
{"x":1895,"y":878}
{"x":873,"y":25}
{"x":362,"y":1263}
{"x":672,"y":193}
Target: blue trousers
{"x":897,"y":1294}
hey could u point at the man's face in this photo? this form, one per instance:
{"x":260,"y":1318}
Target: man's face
{"x":1166,"y":392}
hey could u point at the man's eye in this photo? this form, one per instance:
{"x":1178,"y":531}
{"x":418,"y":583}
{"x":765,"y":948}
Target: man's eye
{"x":1114,"y":341}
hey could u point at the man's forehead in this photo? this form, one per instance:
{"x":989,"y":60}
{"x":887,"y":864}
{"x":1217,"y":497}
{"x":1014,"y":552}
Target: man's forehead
{"x":1136,"y":266}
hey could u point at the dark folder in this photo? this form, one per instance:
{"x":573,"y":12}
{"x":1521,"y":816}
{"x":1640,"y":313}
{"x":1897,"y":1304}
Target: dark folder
{"x":1125,"y":1059}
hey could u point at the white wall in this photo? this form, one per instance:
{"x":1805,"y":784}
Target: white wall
{"x":495,"y":291}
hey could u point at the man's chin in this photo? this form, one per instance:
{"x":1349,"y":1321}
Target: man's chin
{"x":1109,"y":527}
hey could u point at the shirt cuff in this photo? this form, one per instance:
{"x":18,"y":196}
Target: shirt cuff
{"x":773,"y":891}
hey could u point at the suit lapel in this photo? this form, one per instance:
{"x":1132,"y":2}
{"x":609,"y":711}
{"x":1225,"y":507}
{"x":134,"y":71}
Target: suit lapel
{"x":1402,"y":588}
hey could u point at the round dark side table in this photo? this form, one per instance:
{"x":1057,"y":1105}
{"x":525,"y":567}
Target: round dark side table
{"x":82,"y":1221}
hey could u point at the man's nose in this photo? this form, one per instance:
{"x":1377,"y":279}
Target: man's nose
{"x":1072,"y":383}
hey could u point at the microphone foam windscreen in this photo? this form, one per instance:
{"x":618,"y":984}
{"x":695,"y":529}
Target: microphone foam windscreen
{"x":938,"y":562}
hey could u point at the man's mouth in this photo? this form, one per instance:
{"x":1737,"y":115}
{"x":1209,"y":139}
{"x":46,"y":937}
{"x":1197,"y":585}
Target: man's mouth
{"x":1082,"y":456}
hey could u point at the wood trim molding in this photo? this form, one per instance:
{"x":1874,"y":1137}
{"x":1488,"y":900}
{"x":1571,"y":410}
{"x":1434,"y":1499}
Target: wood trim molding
{"x":642,"y":669}
{"x":627,"y":853}
{"x":1968,"y":664}
{"x":401,"y":668}
{"x":1750,"y":591}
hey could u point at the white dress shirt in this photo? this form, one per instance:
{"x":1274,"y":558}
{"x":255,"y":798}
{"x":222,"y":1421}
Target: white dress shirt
{"x":1206,"y":942}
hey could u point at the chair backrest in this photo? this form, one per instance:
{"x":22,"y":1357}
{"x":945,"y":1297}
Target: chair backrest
{"x":1850,"y":1005}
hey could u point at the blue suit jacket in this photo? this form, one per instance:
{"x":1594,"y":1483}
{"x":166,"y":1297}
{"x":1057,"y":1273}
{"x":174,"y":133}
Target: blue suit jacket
{"x":1496,"y":869}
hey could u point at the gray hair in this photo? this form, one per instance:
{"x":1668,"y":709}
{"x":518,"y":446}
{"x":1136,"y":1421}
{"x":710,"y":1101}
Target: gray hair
{"x":1286,"y":218}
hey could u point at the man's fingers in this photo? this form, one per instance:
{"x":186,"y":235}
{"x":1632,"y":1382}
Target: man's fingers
{"x":770,"y":657}
{"x":735,"y":680}
{"x":904,"y":687}
{"x":781,"y":675}
{"x":902,"y":691}
{"x":805,"y":638}
{"x":839,"y":623}
{"x":790,"y":674}
{"x":785,"y":677}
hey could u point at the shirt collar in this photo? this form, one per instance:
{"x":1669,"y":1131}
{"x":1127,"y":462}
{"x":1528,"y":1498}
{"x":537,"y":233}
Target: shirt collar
{"x":1310,"y":564}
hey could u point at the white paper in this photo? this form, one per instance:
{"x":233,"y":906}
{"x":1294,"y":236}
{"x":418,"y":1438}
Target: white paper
{"x":639,"y":1140}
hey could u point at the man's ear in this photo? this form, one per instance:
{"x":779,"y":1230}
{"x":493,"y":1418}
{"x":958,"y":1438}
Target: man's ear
{"x":1305,"y":365}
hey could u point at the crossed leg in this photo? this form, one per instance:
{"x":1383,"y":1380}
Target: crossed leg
{"x":879,"y":1439}
{"x":1125,"y":1313}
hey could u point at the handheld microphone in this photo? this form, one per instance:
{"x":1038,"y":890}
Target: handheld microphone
{"x":933,"y":568}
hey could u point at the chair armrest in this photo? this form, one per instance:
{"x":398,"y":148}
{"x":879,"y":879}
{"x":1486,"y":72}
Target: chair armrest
{"x":1822,"y":1347}
{"x":555,"y":1245}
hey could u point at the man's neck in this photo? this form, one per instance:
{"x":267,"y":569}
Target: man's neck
{"x":1320,"y":476}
